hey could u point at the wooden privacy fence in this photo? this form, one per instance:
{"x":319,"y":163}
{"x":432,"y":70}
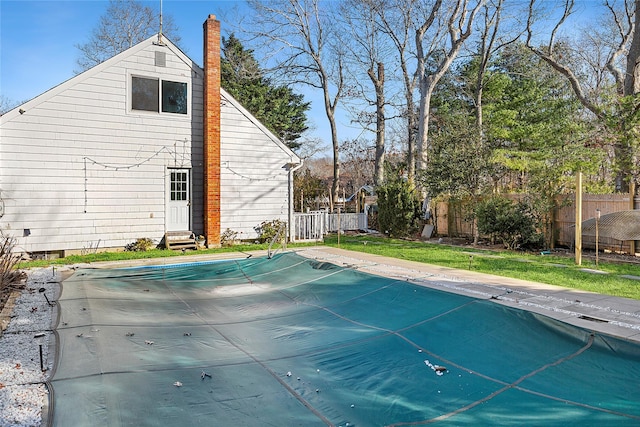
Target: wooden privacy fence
{"x":313,"y":226}
{"x":564,"y":220}
{"x":453,"y":219}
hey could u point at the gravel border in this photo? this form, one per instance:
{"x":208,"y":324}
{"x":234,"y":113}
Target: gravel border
{"x":24,"y":395}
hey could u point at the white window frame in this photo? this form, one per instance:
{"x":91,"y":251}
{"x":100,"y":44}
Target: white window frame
{"x":160,"y":79}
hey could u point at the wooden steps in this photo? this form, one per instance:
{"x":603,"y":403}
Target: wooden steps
{"x":180,"y":240}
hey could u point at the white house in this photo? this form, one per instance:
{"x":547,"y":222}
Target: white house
{"x":144,"y":143}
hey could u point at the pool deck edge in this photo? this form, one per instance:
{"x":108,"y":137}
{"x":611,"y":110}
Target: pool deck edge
{"x":616,"y":316}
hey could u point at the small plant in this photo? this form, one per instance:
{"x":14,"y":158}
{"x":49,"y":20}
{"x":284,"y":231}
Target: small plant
{"x":267,"y":230}
{"x":141,"y":245}
{"x":228,"y":237}
{"x":8,"y":260}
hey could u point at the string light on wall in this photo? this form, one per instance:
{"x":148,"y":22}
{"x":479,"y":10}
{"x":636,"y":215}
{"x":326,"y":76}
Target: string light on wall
{"x":179,"y":160}
{"x":252,"y":179}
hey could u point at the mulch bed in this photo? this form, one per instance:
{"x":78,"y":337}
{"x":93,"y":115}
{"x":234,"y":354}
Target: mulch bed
{"x":6,"y":289}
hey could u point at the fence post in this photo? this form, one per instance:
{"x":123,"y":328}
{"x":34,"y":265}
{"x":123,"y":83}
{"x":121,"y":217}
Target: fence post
{"x":338,"y":226}
{"x":578,"y":207}
{"x":632,"y":195}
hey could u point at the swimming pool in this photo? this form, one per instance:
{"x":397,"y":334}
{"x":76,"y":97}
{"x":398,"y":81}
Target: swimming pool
{"x":294,"y":341}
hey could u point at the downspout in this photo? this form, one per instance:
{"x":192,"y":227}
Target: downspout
{"x":292,"y":168}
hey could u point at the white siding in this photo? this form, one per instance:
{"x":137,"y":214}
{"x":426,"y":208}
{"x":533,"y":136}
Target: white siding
{"x":79,"y":167}
{"x":254,"y":176}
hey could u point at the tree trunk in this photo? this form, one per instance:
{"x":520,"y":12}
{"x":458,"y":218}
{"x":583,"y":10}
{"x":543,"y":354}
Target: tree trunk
{"x":411,"y":136}
{"x":378,"y":83}
{"x":632,"y":76}
{"x":330,"y":111}
{"x":422,"y":149}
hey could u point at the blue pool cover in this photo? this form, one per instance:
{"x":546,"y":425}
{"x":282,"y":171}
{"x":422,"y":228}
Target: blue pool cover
{"x":291,"y":341}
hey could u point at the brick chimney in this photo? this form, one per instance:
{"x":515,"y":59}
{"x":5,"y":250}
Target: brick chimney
{"x":212,"y":131}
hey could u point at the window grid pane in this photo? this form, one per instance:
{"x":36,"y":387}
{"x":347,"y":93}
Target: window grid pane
{"x":179,"y":186}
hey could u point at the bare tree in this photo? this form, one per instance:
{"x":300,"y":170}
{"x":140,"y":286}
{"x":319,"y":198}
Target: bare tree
{"x":622,"y":62}
{"x":396,"y":22}
{"x":7,"y":104}
{"x":369,"y":50}
{"x":308,"y":53}
{"x":455,"y":21}
{"x":124,"y":24}
{"x":358,"y":165}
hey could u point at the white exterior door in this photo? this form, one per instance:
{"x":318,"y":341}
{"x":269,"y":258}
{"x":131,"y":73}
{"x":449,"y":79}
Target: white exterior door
{"x":179,"y":200}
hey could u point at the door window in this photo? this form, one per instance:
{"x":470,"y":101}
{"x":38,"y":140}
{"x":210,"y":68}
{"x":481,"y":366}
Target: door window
{"x":179,"y":186}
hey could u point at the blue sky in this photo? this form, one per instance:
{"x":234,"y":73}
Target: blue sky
{"x":38,"y":38}
{"x":38,"y":41}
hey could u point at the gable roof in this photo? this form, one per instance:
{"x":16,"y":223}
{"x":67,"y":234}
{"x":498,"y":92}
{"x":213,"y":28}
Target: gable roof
{"x":153,"y":40}
{"x":93,"y":71}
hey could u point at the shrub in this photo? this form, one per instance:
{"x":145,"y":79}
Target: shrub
{"x":513,"y":223}
{"x":399,"y":209}
{"x":267,"y":230}
{"x":8,"y":260}
{"x":141,"y":245}
{"x":228,"y":237}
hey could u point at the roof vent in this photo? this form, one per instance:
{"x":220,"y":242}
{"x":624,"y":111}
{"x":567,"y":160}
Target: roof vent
{"x":161,"y":59}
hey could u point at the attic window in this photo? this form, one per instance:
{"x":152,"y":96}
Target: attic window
{"x":148,"y":94}
{"x":174,"y":97}
{"x":144,"y":94}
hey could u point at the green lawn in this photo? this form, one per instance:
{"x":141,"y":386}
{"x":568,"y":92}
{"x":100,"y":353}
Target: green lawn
{"x":554,"y":270}
{"x":154,"y":253}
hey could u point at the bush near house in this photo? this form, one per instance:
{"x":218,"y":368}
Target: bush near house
{"x":228,"y":237}
{"x":141,"y":245}
{"x":9,"y":276}
{"x":267,"y":230}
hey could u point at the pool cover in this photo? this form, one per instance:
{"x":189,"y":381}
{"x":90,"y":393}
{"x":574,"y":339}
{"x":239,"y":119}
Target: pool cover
{"x":291,"y":341}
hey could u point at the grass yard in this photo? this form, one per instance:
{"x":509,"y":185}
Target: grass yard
{"x":549,"y":269}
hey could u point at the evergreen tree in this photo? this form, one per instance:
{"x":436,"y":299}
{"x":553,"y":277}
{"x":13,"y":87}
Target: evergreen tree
{"x":399,"y":204}
{"x":277,"y":107}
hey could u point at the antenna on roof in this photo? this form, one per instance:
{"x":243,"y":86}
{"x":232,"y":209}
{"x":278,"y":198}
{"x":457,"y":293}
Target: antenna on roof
{"x":160,"y":42}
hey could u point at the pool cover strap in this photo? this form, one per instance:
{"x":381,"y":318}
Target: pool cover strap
{"x":294,"y":341}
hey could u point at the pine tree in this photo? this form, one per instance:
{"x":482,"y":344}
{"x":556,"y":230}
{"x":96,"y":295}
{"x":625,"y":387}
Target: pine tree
{"x":278,"y":108}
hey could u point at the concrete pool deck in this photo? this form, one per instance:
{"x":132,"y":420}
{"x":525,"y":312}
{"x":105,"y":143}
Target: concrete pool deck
{"x":605,"y":314}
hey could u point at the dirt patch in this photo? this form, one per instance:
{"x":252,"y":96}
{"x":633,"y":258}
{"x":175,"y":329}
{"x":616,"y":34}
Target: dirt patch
{"x":8,"y":295}
{"x":6,"y":290}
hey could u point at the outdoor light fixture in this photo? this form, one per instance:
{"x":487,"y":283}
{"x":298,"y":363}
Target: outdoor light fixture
{"x":40,"y":341}
{"x":26,"y":232}
{"x":42,"y":291}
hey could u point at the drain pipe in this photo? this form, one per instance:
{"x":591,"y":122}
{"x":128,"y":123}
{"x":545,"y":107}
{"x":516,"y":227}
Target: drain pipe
{"x":292,"y":167}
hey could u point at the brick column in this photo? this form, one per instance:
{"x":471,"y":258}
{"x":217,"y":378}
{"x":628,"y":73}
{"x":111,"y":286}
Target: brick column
{"x":212,"y":131}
